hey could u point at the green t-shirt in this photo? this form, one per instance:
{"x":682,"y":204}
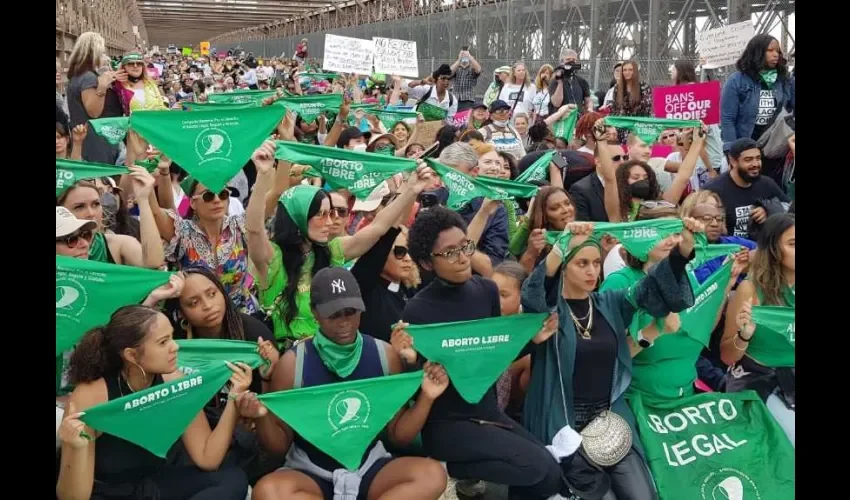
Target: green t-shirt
{"x":668,"y":368}
{"x":303,"y":324}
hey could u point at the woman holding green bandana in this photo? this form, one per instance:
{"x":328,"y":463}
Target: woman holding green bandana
{"x":585,"y":368}
{"x":300,"y":245}
{"x":551,"y":210}
{"x":134,"y":87}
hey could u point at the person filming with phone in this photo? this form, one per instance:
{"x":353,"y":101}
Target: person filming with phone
{"x":567,"y":87}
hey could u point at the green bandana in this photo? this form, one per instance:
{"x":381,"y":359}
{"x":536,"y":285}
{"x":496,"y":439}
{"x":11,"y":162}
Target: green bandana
{"x":98,"y":248}
{"x":476,"y":353}
{"x":432,"y":113}
{"x":773,"y":343}
{"x":150,"y":164}
{"x":565,"y":127}
{"x":648,"y":129}
{"x":507,"y":189}
{"x":309,"y":107}
{"x":715,"y":446}
{"x":389,"y":118}
{"x":698,"y":320}
{"x":768,"y":76}
{"x":156,"y":417}
{"x":386,"y":150}
{"x":131,"y":57}
{"x":539,"y":170}
{"x":340,"y":359}
{"x":241,"y":97}
{"x":88,"y":292}
{"x":319,"y":76}
{"x":638,"y":238}
{"x":297,"y":201}
{"x":360,"y":173}
{"x":207,"y":106}
{"x":705,"y":251}
{"x":212,"y":146}
{"x":362,"y":105}
{"x":197,"y":355}
{"x":112,"y":129}
{"x":343,"y":419}
{"x":590,"y":242}
{"x":462,"y":188}
{"x":68,"y":172}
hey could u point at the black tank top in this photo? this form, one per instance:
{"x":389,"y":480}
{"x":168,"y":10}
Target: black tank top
{"x":119,"y":465}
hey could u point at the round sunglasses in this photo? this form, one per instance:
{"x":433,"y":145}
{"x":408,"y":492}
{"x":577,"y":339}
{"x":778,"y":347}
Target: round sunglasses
{"x":399,"y":252}
{"x":73,"y":240}
{"x":208,"y":195}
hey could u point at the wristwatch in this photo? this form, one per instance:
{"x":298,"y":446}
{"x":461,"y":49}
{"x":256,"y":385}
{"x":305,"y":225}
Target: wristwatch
{"x":642,"y":341}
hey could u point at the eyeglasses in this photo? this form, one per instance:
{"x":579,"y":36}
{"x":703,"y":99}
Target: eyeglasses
{"x":667,"y":136}
{"x":657,"y":204}
{"x":72,"y":240}
{"x":452,"y":255}
{"x":345,"y":313}
{"x":208,"y":195}
{"x":399,"y":252}
{"x":620,"y":157}
{"x":708,"y":219}
{"x":339,"y":212}
{"x":323,"y":214}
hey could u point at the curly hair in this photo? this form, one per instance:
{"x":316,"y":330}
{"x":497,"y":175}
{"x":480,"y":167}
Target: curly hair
{"x":766,"y":268}
{"x":99,"y":352}
{"x":512,"y":166}
{"x":751,"y":61}
{"x":427,"y":228}
{"x":231,"y":325}
{"x":584,"y":126}
{"x":623,"y":185}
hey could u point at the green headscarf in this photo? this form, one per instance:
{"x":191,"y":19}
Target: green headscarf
{"x":297,"y":201}
{"x":592,"y":241}
{"x":131,"y":57}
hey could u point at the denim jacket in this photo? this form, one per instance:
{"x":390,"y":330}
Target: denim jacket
{"x":739,"y":106}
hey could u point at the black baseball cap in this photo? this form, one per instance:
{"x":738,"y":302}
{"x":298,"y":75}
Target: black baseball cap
{"x":499,"y":104}
{"x":334,"y":289}
{"x":479,"y":104}
{"x":741,"y":145}
{"x":351,"y":133}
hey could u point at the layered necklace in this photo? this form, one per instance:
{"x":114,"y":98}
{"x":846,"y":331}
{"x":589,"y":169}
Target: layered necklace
{"x":582,"y":330}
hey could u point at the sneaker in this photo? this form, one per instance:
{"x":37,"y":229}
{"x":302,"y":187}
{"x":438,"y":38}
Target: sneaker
{"x":471,"y":487}
{"x":451,"y":492}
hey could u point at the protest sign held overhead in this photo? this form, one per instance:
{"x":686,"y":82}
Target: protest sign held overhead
{"x":697,"y":101}
{"x":723,"y":46}
{"x":348,"y":55}
{"x":396,"y":57}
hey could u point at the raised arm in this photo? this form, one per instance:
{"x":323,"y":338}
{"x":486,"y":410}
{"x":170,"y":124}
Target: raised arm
{"x":689,"y":164}
{"x":339,"y":124}
{"x":78,"y":135}
{"x":152,"y":254}
{"x":259,"y":247}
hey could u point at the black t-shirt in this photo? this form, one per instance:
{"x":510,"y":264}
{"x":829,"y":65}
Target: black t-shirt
{"x":595,"y":357}
{"x":440,"y":302}
{"x":95,"y":147}
{"x":574,"y":91}
{"x":739,"y":201}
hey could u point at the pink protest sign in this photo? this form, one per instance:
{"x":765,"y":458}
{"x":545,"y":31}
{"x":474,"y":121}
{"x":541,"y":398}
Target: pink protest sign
{"x":695,"y":101}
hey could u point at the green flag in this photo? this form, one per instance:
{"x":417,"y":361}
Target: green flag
{"x":705,"y":251}
{"x":476,"y":353}
{"x":431,"y":113}
{"x":212,"y":146}
{"x":773,"y":343}
{"x":357,"y":172}
{"x":197,"y":355}
{"x":390,"y":118}
{"x":318,"y":76}
{"x":69,"y":172}
{"x":156,"y":417}
{"x":565,"y":127}
{"x":507,"y":189}
{"x":715,"y":446}
{"x":638,"y":238}
{"x":88,"y":292}
{"x":112,"y":129}
{"x":343,"y":419}
{"x":698,"y":320}
{"x":240,"y":97}
{"x":539,"y":170}
{"x":309,"y":107}
{"x":207,"y":106}
{"x":462,"y":188}
{"x":648,"y":129}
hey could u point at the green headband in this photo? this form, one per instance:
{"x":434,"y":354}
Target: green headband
{"x":186,"y":185}
{"x":131,"y":58}
{"x":297,"y":201}
{"x":592,"y":241}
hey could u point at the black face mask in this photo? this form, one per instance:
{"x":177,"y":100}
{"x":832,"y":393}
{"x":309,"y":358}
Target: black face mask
{"x":133,"y":79}
{"x":640,"y":189}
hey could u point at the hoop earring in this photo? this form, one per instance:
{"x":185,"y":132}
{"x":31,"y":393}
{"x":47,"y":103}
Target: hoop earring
{"x":144,"y":375}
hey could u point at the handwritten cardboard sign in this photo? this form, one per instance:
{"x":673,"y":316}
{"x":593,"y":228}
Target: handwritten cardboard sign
{"x":396,"y":57}
{"x":723,"y":46}
{"x":696,"y":101}
{"x":348,"y":55}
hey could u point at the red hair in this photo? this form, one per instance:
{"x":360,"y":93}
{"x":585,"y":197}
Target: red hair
{"x":584,"y":127}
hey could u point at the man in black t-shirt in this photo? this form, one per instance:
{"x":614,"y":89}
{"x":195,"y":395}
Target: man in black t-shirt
{"x":743,"y":187}
{"x":567,"y":87}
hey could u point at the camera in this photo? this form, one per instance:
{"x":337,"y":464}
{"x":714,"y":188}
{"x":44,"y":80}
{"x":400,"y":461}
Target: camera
{"x":566,"y":69}
{"x":428,"y":200}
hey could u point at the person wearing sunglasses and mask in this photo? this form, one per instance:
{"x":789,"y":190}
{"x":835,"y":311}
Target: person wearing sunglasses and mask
{"x":500,"y":133}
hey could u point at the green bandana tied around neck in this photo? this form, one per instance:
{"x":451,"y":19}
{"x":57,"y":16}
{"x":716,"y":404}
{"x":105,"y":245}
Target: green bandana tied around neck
{"x":156,"y":417}
{"x":773,"y":343}
{"x":769,"y":76}
{"x":88,"y":292}
{"x":714,"y":446}
{"x":358,"y":172}
{"x":214,"y":145}
{"x":386,"y":150}
{"x":197,"y":355}
{"x":297,"y":201}
{"x":68,"y":172}
{"x":309,"y":107}
{"x":340,"y":359}
{"x":112,"y":129}
{"x":476,"y":353}
{"x":648,"y":129}
{"x":343,"y":419}
{"x":539,"y":170}
{"x":240,"y":97}
{"x":565,"y":127}
{"x":430,"y":112}
{"x":638,"y":238}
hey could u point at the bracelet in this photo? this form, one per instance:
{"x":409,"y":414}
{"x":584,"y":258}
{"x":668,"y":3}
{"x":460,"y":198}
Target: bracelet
{"x":735,"y":343}
{"x":738,"y":334}
{"x":100,"y":93}
{"x":232,"y":396}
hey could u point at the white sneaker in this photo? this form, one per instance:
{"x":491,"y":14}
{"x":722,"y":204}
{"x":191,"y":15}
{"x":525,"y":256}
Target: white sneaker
{"x":451,"y":492}
{"x":471,"y":487}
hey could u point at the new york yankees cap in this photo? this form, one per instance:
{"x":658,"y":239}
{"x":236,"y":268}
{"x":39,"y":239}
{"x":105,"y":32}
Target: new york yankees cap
{"x":334,"y":289}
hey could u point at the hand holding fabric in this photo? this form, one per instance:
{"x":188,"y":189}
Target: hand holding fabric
{"x":402,"y":342}
{"x":745,"y":320}
{"x":72,"y":431}
{"x":421,"y":178}
{"x":240,"y":381}
{"x":691,"y":226}
{"x":435,"y":380}
{"x":550,"y":326}
{"x":250,"y":407}
{"x":79,"y":133}
{"x":263,"y":156}
{"x":537,"y":241}
{"x":170,"y":290}
{"x":267,"y":351}
{"x":143,"y":182}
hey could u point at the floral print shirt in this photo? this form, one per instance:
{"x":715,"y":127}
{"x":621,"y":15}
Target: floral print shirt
{"x":228,"y":257}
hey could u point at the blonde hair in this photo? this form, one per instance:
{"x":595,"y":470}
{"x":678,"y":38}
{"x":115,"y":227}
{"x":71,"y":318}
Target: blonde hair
{"x":527,"y":80}
{"x":482,"y":148}
{"x":538,"y":82}
{"x":415,"y":279}
{"x":87,"y":53}
{"x":698,"y":198}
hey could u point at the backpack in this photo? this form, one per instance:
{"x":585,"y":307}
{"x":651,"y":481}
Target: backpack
{"x":427,"y":96}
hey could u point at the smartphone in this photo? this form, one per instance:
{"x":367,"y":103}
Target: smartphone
{"x":559,"y":160}
{"x":430,"y":150}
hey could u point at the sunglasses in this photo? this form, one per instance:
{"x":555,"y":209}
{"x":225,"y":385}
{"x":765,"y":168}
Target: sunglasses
{"x":72,"y":240}
{"x":208,"y":195}
{"x":620,"y":158}
{"x":135,"y":64}
{"x":339,"y":212}
{"x":667,"y":136}
{"x":345,"y":313}
{"x":650,"y":204}
{"x":399,"y":252}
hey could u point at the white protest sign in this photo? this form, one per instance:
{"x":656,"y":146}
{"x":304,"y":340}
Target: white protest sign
{"x":348,"y":55}
{"x":396,"y":57}
{"x":723,"y":46}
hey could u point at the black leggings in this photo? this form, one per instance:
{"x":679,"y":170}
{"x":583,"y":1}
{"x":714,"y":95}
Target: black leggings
{"x":181,"y":483}
{"x":505,"y":456}
{"x":629,"y":479}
